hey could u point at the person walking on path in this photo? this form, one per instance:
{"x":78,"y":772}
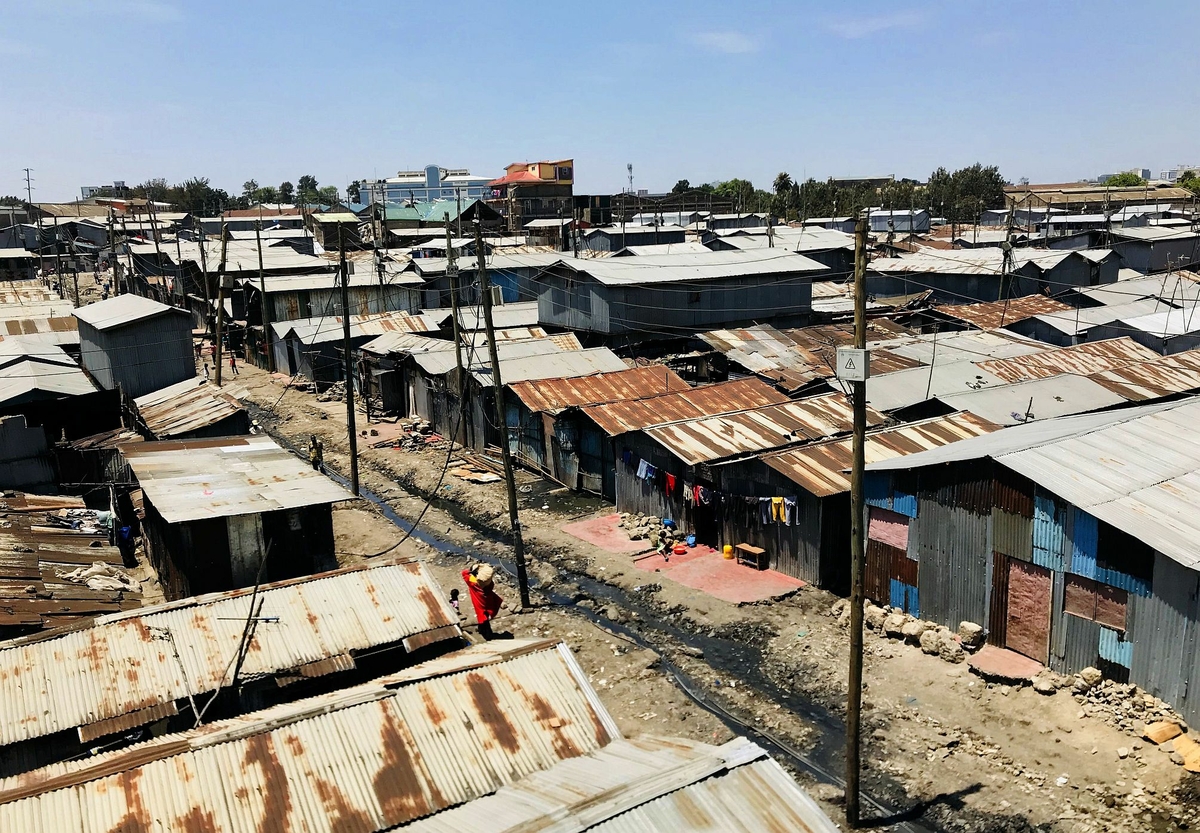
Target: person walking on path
{"x":233,"y":363}
{"x":316,"y":452}
{"x":481,"y":587}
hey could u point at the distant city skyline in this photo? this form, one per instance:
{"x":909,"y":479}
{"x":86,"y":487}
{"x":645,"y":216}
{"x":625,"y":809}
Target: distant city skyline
{"x":134,"y":89}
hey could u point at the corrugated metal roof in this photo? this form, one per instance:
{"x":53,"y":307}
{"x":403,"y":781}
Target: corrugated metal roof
{"x":546,"y":365}
{"x":408,"y":343}
{"x":1166,"y":322}
{"x":1091,"y":357}
{"x":983,"y":261}
{"x":33,"y":552}
{"x":992,"y":315}
{"x":1159,"y":376}
{"x":185,"y":407}
{"x":719,"y":437}
{"x":329,"y":328}
{"x":822,"y":468}
{"x":67,"y":327}
{"x":123,"y":663}
{"x":687,"y":247}
{"x":122,"y":310}
{"x":187,"y":480}
{"x":240,"y":256}
{"x":1137,"y":469}
{"x":1034,"y":399}
{"x":649,"y":784}
{"x":908,"y":387}
{"x":1080,"y":320}
{"x":553,"y":395}
{"x":707,"y":400}
{"x":365,"y":277}
{"x":632,"y":271}
{"x":366,"y":758}
{"x":28,"y":367}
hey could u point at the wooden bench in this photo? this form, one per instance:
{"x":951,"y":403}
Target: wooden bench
{"x":754,"y":556}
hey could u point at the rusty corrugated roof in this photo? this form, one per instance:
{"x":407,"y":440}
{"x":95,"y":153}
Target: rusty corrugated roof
{"x":366,"y":758}
{"x":34,"y":550}
{"x":821,"y":468}
{"x":1091,"y":357}
{"x":185,"y":407}
{"x":647,"y":784}
{"x":553,"y":395}
{"x":1150,"y":379}
{"x":709,"y":439}
{"x":992,"y":315}
{"x":123,"y":664}
{"x":707,"y":400}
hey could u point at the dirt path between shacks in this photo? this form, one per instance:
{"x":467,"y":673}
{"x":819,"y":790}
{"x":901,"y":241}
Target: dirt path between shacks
{"x":943,"y":747}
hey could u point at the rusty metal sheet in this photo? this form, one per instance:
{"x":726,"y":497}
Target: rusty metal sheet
{"x":1154,"y":378}
{"x":188,"y":480}
{"x":553,"y":395}
{"x":709,"y":439}
{"x":185,"y":407}
{"x":1091,"y":357}
{"x":378,"y":755}
{"x":1028,"y":616}
{"x":124,"y":662}
{"x":992,"y":315}
{"x":89,"y":733}
{"x":708,"y":400}
{"x":822,"y":469}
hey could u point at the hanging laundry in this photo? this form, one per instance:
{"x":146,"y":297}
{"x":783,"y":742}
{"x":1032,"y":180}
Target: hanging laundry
{"x":651,"y":472}
{"x":790,"y":511}
{"x":627,"y":457}
{"x":704,"y":495}
{"x":764,"y":510}
{"x":689,"y":495}
{"x":777,"y":510}
{"x":642,"y":466}
{"x":670,"y":484}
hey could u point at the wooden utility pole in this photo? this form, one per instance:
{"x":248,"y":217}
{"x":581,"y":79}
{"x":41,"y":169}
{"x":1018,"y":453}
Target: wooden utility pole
{"x":452,"y":275}
{"x":220,"y":303}
{"x":128,"y":257}
{"x":501,"y":424}
{"x":29,"y":202}
{"x":154,"y":234}
{"x":112,"y":245}
{"x":351,"y":428}
{"x":265,"y":310}
{"x":857,"y":542}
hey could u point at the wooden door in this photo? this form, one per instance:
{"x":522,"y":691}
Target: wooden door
{"x":1028,"y":620}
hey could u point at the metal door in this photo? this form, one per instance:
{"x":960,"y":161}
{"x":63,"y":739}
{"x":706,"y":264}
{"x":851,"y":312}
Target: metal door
{"x":1028,"y":621}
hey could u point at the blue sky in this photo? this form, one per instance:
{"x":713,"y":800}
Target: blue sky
{"x":130,"y":89}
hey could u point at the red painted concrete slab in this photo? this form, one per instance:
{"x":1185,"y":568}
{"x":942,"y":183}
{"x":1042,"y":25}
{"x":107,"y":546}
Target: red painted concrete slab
{"x":604,"y":533}
{"x":706,"y":570}
{"x":1003,"y":664}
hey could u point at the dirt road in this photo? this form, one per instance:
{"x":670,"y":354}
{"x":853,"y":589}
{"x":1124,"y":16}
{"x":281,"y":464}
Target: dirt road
{"x":944,"y":749}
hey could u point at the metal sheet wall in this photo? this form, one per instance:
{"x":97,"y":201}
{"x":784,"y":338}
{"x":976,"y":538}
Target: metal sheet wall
{"x":1077,"y":644}
{"x":953,"y":547}
{"x":1163,"y":629}
{"x":637,"y":495}
{"x":1115,"y":648}
{"x":1049,"y":519}
{"x":1012,"y":534}
{"x":1085,"y":538}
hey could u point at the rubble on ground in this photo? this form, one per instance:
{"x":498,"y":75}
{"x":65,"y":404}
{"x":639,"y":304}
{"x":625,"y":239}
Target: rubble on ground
{"x":659,"y":533}
{"x":334,"y":393}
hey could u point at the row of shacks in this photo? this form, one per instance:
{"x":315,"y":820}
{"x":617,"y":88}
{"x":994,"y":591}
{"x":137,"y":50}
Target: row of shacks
{"x":383,"y":718}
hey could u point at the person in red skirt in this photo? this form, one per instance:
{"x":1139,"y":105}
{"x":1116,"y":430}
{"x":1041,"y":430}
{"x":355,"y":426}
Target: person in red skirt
{"x":481,"y":587}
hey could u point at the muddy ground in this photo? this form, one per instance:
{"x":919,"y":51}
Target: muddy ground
{"x":944,"y":750}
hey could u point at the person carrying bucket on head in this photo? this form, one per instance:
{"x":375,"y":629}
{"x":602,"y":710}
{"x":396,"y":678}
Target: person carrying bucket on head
{"x":481,"y":586}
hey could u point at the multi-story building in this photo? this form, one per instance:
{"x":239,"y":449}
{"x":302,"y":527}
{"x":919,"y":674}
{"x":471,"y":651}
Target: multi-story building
{"x":432,"y":183}
{"x":534,"y":191}
{"x":1173,"y":174}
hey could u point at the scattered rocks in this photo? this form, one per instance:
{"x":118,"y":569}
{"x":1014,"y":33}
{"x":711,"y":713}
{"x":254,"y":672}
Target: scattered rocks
{"x":828,"y":793}
{"x":874,"y":616}
{"x":1122,"y":752}
{"x":913,"y":630}
{"x":893,"y":625}
{"x":1087,"y":679}
{"x":931,"y":642}
{"x":691,"y":651}
{"x":1046,"y":683}
{"x":950,"y":649}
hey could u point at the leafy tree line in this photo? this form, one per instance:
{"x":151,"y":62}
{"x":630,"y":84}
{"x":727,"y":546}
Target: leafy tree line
{"x":958,"y":196}
{"x":198,"y":196}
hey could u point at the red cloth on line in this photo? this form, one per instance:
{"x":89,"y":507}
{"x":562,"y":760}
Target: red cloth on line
{"x":486,"y":602}
{"x":670,"y":484}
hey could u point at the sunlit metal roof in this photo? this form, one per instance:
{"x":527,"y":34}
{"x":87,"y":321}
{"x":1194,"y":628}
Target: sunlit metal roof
{"x":992,"y":315}
{"x":121,"y":670}
{"x":1090,"y":357}
{"x":1159,"y":376}
{"x":366,"y":758}
{"x":122,"y":310}
{"x":191,"y":479}
{"x":715,"y":438}
{"x":707,"y":400}
{"x":822,"y":468}
{"x":553,"y":395}
{"x":185,"y":407}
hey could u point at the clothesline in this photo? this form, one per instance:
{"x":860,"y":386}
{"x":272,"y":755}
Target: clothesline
{"x":779,"y":509}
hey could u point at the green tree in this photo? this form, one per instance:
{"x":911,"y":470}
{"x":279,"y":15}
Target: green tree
{"x":249,"y":187}
{"x":11,"y":201}
{"x":1125,"y":179}
{"x":266,"y":194}
{"x":681,"y":186}
{"x":740,"y":191}
{"x":328,"y":195}
{"x":1189,"y":180}
{"x":354,"y":191}
{"x":196,"y":196}
{"x":306,"y":189}
{"x":155,"y":189}
{"x":783,"y":183}
{"x":287,"y":192}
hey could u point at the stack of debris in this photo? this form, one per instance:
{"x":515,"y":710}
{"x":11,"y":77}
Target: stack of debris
{"x":417,"y":435}
{"x":334,"y":393}
{"x":661,"y":533}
